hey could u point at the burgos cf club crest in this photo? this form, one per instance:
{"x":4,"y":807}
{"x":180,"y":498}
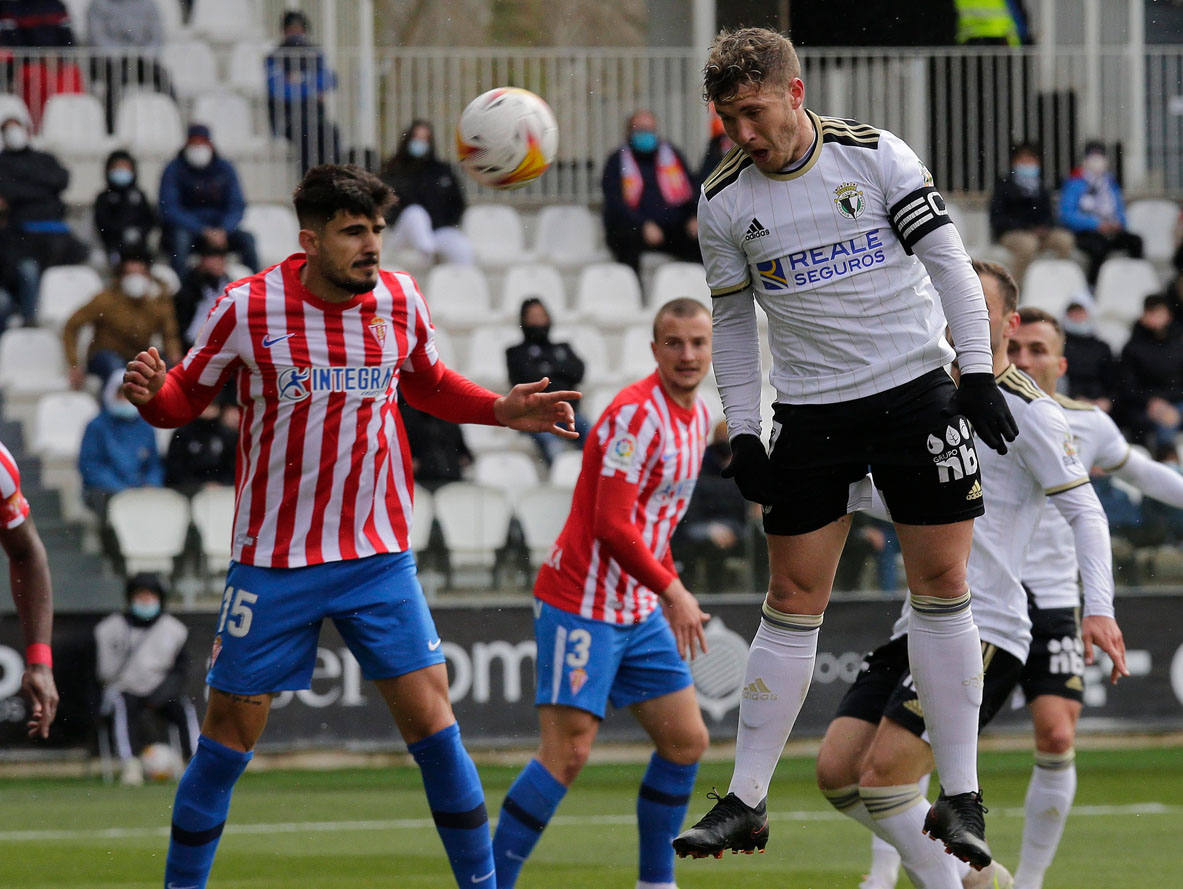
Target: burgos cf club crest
{"x":848,"y":198}
{"x":377,"y":328}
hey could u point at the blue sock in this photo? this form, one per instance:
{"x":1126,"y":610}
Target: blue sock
{"x":199,"y":812}
{"x":661,"y":808}
{"x":457,"y":805}
{"x":525,"y":811}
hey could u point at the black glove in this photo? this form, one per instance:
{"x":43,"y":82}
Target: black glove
{"x":751,"y":469}
{"x":979,"y":400}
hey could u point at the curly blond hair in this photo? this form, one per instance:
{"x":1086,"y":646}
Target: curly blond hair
{"x":748,"y":56}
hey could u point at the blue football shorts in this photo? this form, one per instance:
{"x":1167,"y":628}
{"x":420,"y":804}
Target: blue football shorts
{"x":586,"y":663}
{"x":269,"y":622}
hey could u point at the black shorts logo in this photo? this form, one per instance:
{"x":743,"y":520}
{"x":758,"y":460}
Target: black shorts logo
{"x":954,"y":455}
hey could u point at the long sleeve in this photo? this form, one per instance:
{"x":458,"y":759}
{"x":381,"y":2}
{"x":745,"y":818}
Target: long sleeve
{"x":1070,"y":213}
{"x":960,"y":290}
{"x":446,"y":394}
{"x":615,"y":499}
{"x":1094,"y":554}
{"x":1154,"y":479}
{"x":171,"y":209}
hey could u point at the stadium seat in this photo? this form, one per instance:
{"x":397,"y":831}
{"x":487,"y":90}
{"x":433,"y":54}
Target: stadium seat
{"x":568,"y":235}
{"x":1156,"y":221}
{"x":14,"y":106}
{"x":589,"y":344}
{"x":212,"y":510}
{"x":74,"y":125}
{"x":458,"y":297}
{"x":448,"y":347}
{"x":486,"y":355}
{"x":1050,"y":284}
{"x":677,"y":279}
{"x":422,"y":516}
{"x":150,"y":525}
{"x":564,"y":471}
{"x":245,"y":71}
{"x":1122,"y":284}
{"x":192,"y":68}
{"x":482,"y":439}
{"x":542,"y":511}
{"x":63,"y":289}
{"x":511,"y":471}
{"x":535,"y":279}
{"x":149,"y":125}
{"x":496,"y":233}
{"x":1114,"y":332}
{"x":475,"y":521}
{"x":227,"y":21}
{"x":230,"y":121}
{"x":276,"y":231}
{"x":31,"y":364}
{"x":609,"y":294}
{"x":596,"y":400}
{"x":636,"y":357}
{"x":58,"y":424}
{"x":171,"y":19}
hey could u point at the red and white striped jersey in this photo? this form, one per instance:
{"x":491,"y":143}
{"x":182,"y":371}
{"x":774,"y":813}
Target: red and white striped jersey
{"x":641,"y":461}
{"x":14,"y":508}
{"x":324,"y":473}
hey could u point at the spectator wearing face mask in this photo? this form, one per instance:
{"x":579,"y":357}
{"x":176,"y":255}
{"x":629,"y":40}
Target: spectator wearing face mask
{"x":431,"y":201}
{"x":123,"y":317}
{"x":123,"y":215}
{"x":650,"y":197}
{"x":1022,"y":217}
{"x":1092,"y":369}
{"x":118,"y":452}
{"x":536,"y":357}
{"x":200,"y":196}
{"x":1092,"y":207}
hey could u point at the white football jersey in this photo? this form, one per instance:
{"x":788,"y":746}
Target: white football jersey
{"x":826,"y":250}
{"x":1050,"y":571}
{"x":1042,"y":460}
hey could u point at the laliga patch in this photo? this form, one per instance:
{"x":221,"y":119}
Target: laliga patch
{"x":577,"y":678}
{"x":849,"y":200}
{"x":621,"y":451}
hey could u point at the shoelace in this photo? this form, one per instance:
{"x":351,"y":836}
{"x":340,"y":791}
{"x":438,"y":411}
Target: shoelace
{"x":971,"y":809}
{"x":717,"y":813}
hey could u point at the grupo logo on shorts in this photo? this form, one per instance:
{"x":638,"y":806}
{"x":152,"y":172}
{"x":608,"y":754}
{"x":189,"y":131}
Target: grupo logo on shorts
{"x":953,"y":455}
{"x":299,"y":383}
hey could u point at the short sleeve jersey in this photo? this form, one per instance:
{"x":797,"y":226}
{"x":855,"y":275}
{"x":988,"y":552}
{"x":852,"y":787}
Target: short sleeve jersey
{"x":1041,"y":461}
{"x":648,"y":440}
{"x":324,"y":472}
{"x":1050,"y":571}
{"x":14,"y":508}
{"x":827,"y":252}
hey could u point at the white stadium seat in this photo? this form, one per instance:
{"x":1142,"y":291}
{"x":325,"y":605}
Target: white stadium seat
{"x":227,"y":21}
{"x":171,"y":19}
{"x":74,"y":125}
{"x":13,"y":106}
{"x":212,"y":511}
{"x":1114,"y":332}
{"x":496,"y":233}
{"x":564,"y":471}
{"x":486,"y":355}
{"x":589,"y":344}
{"x":1156,"y":221}
{"x":422,"y":516}
{"x":568,"y":235}
{"x":276,"y":231}
{"x":64,"y":288}
{"x":192,"y":68}
{"x":458,"y":297}
{"x":246,"y":72}
{"x":674,"y":280}
{"x":542,"y":511}
{"x":540,"y":280}
{"x":228,"y":116}
{"x":475,"y":521}
{"x":58,"y":424}
{"x":1122,"y":284}
{"x":511,"y":471}
{"x":636,"y":359}
{"x":149,"y":124}
{"x":31,"y":364}
{"x":1050,"y":284}
{"x":151,"y":525}
{"x":609,"y":294}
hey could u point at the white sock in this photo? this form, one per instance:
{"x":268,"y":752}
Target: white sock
{"x":898,"y":813}
{"x":641,"y":884}
{"x":779,"y":670}
{"x":885,"y":862}
{"x":945,"y":654}
{"x":1049,"y":797}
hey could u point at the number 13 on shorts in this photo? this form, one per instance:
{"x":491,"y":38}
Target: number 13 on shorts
{"x":573,"y":650}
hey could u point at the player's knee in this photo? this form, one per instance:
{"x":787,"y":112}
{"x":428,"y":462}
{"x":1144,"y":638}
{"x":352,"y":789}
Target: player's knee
{"x":688,"y":747}
{"x":947,"y":582}
{"x":1056,"y":738}
{"x":835,"y":769}
{"x":794,"y":595}
{"x":571,"y":760}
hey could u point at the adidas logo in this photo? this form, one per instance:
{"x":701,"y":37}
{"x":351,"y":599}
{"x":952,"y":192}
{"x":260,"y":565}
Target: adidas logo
{"x":758,"y":691}
{"x":975,"y":493}
{"x":1075,"y":683}
{"x":756,"y":230}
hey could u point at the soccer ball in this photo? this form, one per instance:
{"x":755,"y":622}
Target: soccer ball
{"x":161,"y":763}
{"x":507,"y":137}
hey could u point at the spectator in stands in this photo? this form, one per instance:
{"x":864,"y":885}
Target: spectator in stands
{"x":431,"y":200}
{"x":1022,"y":217}
{"x":130,"y":312}
{"x":200,"y":195}
{"x":123,"y":215}
{"x":536,"y":357}
{"x":201,"y":453}
{"x":118,"y":452}
{"x":35,"y":23}
{"x":142,"y":666}
{"x":439,"y":453}
{"x":19,"y":274}
{"x":1092,"y":206}
{"x":1174,"y":289}
{"x":200,"y":289}
{"x":128,"y":36}
{"x":297,"y":79}
{"x":1150,"y":379}
{"x":31,"y":183}
{"x":715,"y":526}
{"x":718,"y":145}
{"x":650,"y":201}
{"x":1091,"y":366}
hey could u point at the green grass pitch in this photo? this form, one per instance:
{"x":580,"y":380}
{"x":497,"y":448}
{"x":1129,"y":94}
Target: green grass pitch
{"x":363,"y":828}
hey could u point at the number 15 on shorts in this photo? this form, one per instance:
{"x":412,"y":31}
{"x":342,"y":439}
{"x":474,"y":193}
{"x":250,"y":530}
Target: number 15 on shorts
{"x":236,"y":615}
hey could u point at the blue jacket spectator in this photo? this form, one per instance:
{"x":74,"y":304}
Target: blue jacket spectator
{"x":119,"y":450}
{"x":1092,"y":207}
{"x":297,"y":79}
{"x":200,"y":195}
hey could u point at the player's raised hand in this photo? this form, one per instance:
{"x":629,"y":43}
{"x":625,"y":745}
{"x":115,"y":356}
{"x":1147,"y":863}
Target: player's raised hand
{"x":979,"y":399}
{"x":144,"y":376}
{"x":527,"y":407}
{"x":686,"y":619}
{"x":1106,"y":635}
{"x":38,"y":686}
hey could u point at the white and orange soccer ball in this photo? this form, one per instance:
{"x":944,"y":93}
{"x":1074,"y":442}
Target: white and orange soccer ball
{"x":161,"y":763}
{"x":507,"y":137}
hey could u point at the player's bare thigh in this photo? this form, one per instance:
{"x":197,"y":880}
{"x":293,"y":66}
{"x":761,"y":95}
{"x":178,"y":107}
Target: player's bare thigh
{"x":802,"y":567}
{"x":844,"y":748}
{"x":935,"y":557}
{"x":1055,"y":719}
{"x":896,"y":756}
{"x":674,"y":722}
{"x":418,"y":701}
{"x":565,"y":739}
{"x":235,"y":721}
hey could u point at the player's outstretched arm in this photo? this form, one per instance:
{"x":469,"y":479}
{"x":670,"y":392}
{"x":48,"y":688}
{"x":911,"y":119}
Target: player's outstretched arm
{"x":528,"y":408}
{"x":28,"y":569}
{"x":1106,"y":635}
{"x":686,"y":619}
{"x":144,"y":377}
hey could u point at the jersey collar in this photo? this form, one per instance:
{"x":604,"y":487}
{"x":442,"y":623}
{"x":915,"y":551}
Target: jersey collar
{"x":814,"y":153}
